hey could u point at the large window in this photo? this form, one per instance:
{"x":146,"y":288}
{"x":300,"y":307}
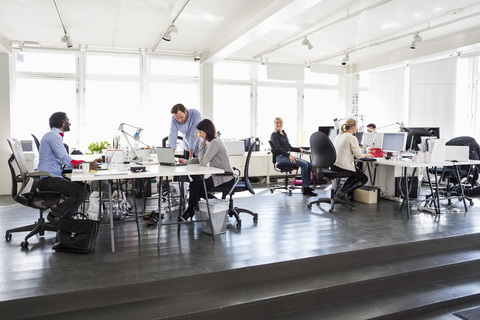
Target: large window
{"x":320,"y":107}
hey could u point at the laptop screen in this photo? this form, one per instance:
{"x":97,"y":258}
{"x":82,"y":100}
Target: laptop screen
{"x":165,"y":155}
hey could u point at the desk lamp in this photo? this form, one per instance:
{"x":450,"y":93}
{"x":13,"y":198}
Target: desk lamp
{"x":135,"y":136}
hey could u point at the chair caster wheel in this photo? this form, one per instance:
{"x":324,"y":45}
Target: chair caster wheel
{"x":8,"y":236}
{"x":309,"y":206}
{"x":290,"y":192}
{"x":255,"y":218}
{"x":330,"y":210}
{"x":353,"y":208}
{"x":239,"y":225}
{"x":24,"y":244}
{"x":271,"y":190}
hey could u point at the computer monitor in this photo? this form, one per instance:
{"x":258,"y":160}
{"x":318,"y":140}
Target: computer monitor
{"x":330,"y":131}
{"x":372,"y":139}
{"x":394,"y":141}
{"x":359,"y":136}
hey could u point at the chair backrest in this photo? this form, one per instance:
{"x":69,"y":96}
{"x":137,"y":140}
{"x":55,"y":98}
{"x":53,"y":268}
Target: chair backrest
{"x":37,"y":143}
{"x":274,"y":152}
{"x":414,"y":137}
{"x":164,"y":141}
{"x":17,"y":154}
{"x":322,"y":149}
{"x":246,"y":179}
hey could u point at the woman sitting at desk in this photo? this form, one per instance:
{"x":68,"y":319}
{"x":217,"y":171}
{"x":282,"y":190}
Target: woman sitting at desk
{"x":282,"y":147}
{"x":211,"y":151}
{"x":346,"y":146}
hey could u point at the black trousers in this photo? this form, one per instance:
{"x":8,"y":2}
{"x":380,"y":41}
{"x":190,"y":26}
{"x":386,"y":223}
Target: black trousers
{"x":358,"y":175}
{"x":75,"y":192}
{"x":197,"y":191}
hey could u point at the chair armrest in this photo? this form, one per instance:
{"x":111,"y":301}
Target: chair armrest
{"x":39,"y":173}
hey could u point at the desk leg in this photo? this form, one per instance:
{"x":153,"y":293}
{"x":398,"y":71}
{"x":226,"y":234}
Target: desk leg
{"x":407,"y":191}
{"x":208,"y":207}
{"x":435,"y":194}
{"x":135,"y":207}
{"x":110,"y":211}
{"x":462,"y":190}
{"x":159,"y":225}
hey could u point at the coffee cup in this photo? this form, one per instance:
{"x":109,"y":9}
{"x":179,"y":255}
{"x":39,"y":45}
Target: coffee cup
{"x":85,"y":166}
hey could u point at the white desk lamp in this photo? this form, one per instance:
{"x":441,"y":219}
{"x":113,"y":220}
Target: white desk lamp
{"x":135,"y":136}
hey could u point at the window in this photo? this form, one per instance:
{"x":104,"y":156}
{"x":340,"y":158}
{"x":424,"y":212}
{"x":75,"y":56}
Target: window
{"x":320,"y":107}
{"x":232,"y":116}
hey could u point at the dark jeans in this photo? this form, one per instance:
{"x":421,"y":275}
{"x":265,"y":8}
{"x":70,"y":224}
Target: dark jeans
{"x":197,"y":191}
{"x":75,"y":193}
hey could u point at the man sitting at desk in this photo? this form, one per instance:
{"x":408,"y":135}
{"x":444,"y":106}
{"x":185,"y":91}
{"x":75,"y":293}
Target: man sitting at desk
{"x":184,"y":121}
{"x":52,"y":156}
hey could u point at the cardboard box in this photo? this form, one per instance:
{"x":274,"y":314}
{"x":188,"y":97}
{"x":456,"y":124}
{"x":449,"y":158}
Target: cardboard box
{"x":367,"y":194}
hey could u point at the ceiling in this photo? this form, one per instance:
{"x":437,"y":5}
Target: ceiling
{"x":372,"y":32}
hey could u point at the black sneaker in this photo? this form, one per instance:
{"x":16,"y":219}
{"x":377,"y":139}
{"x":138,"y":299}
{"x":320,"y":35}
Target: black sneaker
{"x":308,"y":192}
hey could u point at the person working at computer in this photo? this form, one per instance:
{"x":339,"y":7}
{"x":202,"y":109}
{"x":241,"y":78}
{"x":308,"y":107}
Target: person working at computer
{"x":184,"y":121}
{"x":52,"y":157}
{"x":346,"y":146}
{"x":282,"y":147}
{"x":212,"y":151}
{"x":371,"y":127}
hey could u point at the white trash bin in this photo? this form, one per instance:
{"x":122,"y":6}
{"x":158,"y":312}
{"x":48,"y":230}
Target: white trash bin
{"x":219,"y":212}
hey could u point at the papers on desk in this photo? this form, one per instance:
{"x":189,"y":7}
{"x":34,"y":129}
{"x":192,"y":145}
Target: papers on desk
{"x":431,"y":150}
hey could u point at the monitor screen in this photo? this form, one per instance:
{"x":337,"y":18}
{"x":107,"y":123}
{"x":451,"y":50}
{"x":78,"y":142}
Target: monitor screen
{"x":330,"y":131}
{"x":372,"y":139}
{"x":394,"y":141}
{"x":359,"y":136}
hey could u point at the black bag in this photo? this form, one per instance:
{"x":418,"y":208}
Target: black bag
{"x":76,"y":235}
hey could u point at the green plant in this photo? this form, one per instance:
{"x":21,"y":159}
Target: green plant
{"x":97,"y":146}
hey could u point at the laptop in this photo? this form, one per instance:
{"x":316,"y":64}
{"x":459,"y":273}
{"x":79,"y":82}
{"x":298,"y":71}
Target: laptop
{"x":166,"y":157}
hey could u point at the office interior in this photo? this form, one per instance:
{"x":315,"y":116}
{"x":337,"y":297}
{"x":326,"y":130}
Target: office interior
{"x":394,"y":63}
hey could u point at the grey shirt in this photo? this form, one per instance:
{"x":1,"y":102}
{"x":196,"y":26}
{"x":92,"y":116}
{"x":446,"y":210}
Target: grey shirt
{"x":214,"y":153}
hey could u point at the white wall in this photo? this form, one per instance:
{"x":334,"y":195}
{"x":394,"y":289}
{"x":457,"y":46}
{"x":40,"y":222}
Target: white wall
{"x":5,"y":185}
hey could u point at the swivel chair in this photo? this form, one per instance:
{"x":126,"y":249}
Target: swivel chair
{"x":286,"y":168}
{"x":323,"y":156}
{"x":41,"y":200}
{"x":238,"y":186}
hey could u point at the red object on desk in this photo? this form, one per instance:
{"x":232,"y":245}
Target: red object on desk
{"x":377,"y":152}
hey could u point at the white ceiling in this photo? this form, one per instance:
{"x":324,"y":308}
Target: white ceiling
{"x":369,"y":30}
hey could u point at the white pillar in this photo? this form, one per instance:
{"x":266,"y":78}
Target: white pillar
{"x":5,"y":98}
{"x":206,"y":90}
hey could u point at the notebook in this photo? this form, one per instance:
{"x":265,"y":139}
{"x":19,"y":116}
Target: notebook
{"x":166,"y":157}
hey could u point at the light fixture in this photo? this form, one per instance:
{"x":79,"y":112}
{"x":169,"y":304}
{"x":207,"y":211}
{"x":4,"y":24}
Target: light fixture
{"x":345,"y":60}
{"x":264,"y":60}
{"x":167,"y":35}
{"x":196,"y":56}
{"x":67,"y":40}
{"x":307,"y":43}
{"x":416,"y":38}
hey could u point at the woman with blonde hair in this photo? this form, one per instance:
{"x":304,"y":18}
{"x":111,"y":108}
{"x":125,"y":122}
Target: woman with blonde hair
{"x":346,"y":146}
{"x":282,"y":147}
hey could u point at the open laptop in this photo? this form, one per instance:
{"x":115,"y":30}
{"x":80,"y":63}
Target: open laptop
{"x":166,"y":157}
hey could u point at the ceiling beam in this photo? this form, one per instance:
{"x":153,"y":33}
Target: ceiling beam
{"x":276,"y":14}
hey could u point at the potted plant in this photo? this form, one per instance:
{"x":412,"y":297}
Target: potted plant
{"x":97,"y":147}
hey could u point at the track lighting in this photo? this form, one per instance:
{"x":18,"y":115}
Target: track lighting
{"x":167,"y":36}
{"x":345,"y":60}
{"x":416,"y":38}
{"x":264,"y":60}
{"x":307,"y":43}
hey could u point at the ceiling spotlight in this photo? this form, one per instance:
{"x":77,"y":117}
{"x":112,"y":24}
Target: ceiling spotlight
{"x":345,"y":60}
{"x":167,"y":35}
{"x":196,"y":56}
{"x":67,"y":40}
{"x":416,"y":39}
{"x":264,"y":60}
{"x":307,"y":43}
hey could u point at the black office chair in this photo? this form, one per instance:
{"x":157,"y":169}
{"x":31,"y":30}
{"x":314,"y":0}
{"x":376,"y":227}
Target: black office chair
{"x":239,"y":186}
{"x":323,"y":156}
{"x":33,"y":198}
{"x":414,"y":138}
{"x":286,"y":168}
{"x":164,"y":144}
{"x":37,"y":143}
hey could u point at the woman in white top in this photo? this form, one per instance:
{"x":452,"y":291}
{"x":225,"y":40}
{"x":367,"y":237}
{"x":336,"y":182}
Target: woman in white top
{"x":346,"y":146}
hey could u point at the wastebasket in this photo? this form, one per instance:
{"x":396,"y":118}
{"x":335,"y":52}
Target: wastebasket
{"x":219,"y":211}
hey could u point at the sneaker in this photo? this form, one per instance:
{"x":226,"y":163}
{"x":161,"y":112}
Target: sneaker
{"x":308,"y":192}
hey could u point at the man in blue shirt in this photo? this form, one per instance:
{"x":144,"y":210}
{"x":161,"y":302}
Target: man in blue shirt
{"x":52,"y":157}
{"x":185,"y":121}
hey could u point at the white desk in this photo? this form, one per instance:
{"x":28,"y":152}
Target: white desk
{"x":152,"y":171}
{"x":405,"y":165}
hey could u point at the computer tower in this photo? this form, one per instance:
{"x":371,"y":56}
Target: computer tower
{"x":400,"y":187}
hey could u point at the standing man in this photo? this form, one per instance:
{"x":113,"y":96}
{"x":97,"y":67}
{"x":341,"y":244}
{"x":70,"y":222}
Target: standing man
{"x":52,"y":156}
{"x":185,"y":121}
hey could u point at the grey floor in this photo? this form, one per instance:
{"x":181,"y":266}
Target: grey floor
{"x":286,"y":230}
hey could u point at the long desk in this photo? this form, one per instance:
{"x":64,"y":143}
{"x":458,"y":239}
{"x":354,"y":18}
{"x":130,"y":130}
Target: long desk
{"x":151,"y":171}
{"x":405,"y":165}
